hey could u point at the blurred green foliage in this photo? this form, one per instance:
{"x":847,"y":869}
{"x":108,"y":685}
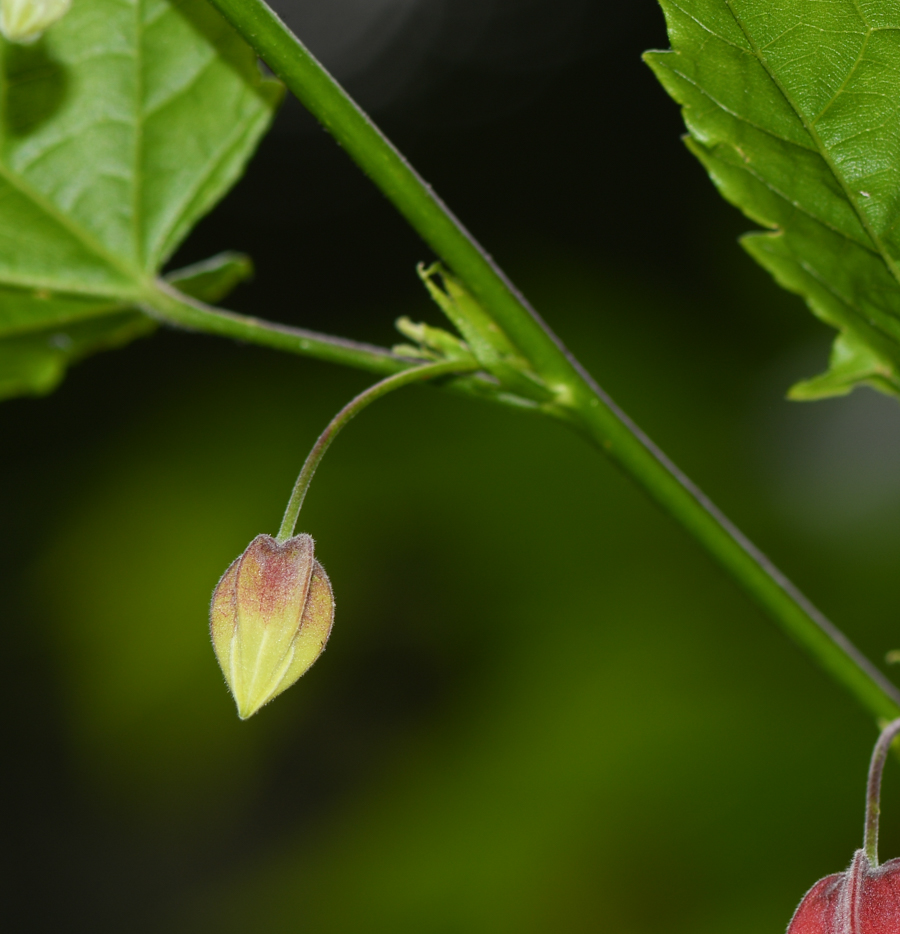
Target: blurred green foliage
{"x":541,"y":709}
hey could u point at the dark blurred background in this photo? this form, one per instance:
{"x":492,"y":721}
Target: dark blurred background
{"x":542,"y":708}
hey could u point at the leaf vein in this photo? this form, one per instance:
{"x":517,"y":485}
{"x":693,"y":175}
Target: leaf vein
{"x":212,"y":166}
{"x":180,"y":91}
{"x":737,"y":116}
{"x":847,"y":78}
{"x":76,"y":230}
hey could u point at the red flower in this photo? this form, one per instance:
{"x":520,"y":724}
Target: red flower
{"x":862,"y":900}
{"x":866,"y":898}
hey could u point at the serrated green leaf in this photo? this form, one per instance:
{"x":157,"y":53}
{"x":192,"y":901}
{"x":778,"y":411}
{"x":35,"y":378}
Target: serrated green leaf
{"x":119,"y":129}
{"x":792,"y":109}
{"x":850,"y":365}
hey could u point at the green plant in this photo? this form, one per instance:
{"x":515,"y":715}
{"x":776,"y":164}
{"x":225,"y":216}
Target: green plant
{"x":109,"y":158}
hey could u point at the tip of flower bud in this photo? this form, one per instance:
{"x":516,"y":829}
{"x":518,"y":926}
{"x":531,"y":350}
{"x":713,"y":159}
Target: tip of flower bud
{"x":24,"y":21}
{"x":270,"y":617}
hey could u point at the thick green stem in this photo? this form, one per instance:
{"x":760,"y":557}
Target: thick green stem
{"x":350,"y":410}
{"x":579,"y":400}
{"x":873,"y":791}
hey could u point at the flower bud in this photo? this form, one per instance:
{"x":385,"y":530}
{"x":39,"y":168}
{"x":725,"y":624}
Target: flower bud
{"x":23,"y":21}
{"x":862,"y":900}
{"x":270,"y":618}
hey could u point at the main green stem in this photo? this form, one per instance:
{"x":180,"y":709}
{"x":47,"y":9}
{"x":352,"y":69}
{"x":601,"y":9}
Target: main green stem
{"x":350,"y":410}
{"x":579,"y":400}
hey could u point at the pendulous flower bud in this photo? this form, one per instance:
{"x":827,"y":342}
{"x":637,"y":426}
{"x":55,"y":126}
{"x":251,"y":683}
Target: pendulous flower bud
{"x":862,"y":900}
{"x":866,"y":898}
{"x":24,"y":21}
{"x":270,"y":618}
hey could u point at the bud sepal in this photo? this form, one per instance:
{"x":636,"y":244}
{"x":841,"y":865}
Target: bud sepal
{"x":270,"y":618}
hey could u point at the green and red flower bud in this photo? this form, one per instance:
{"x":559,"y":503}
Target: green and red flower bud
{"x":270,"y":618}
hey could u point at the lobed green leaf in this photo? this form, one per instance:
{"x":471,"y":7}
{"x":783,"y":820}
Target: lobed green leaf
{"x":794,"y":110}
{"x":119,"y":129}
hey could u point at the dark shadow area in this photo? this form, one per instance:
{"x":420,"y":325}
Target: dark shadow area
{"x":35,"y":87}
